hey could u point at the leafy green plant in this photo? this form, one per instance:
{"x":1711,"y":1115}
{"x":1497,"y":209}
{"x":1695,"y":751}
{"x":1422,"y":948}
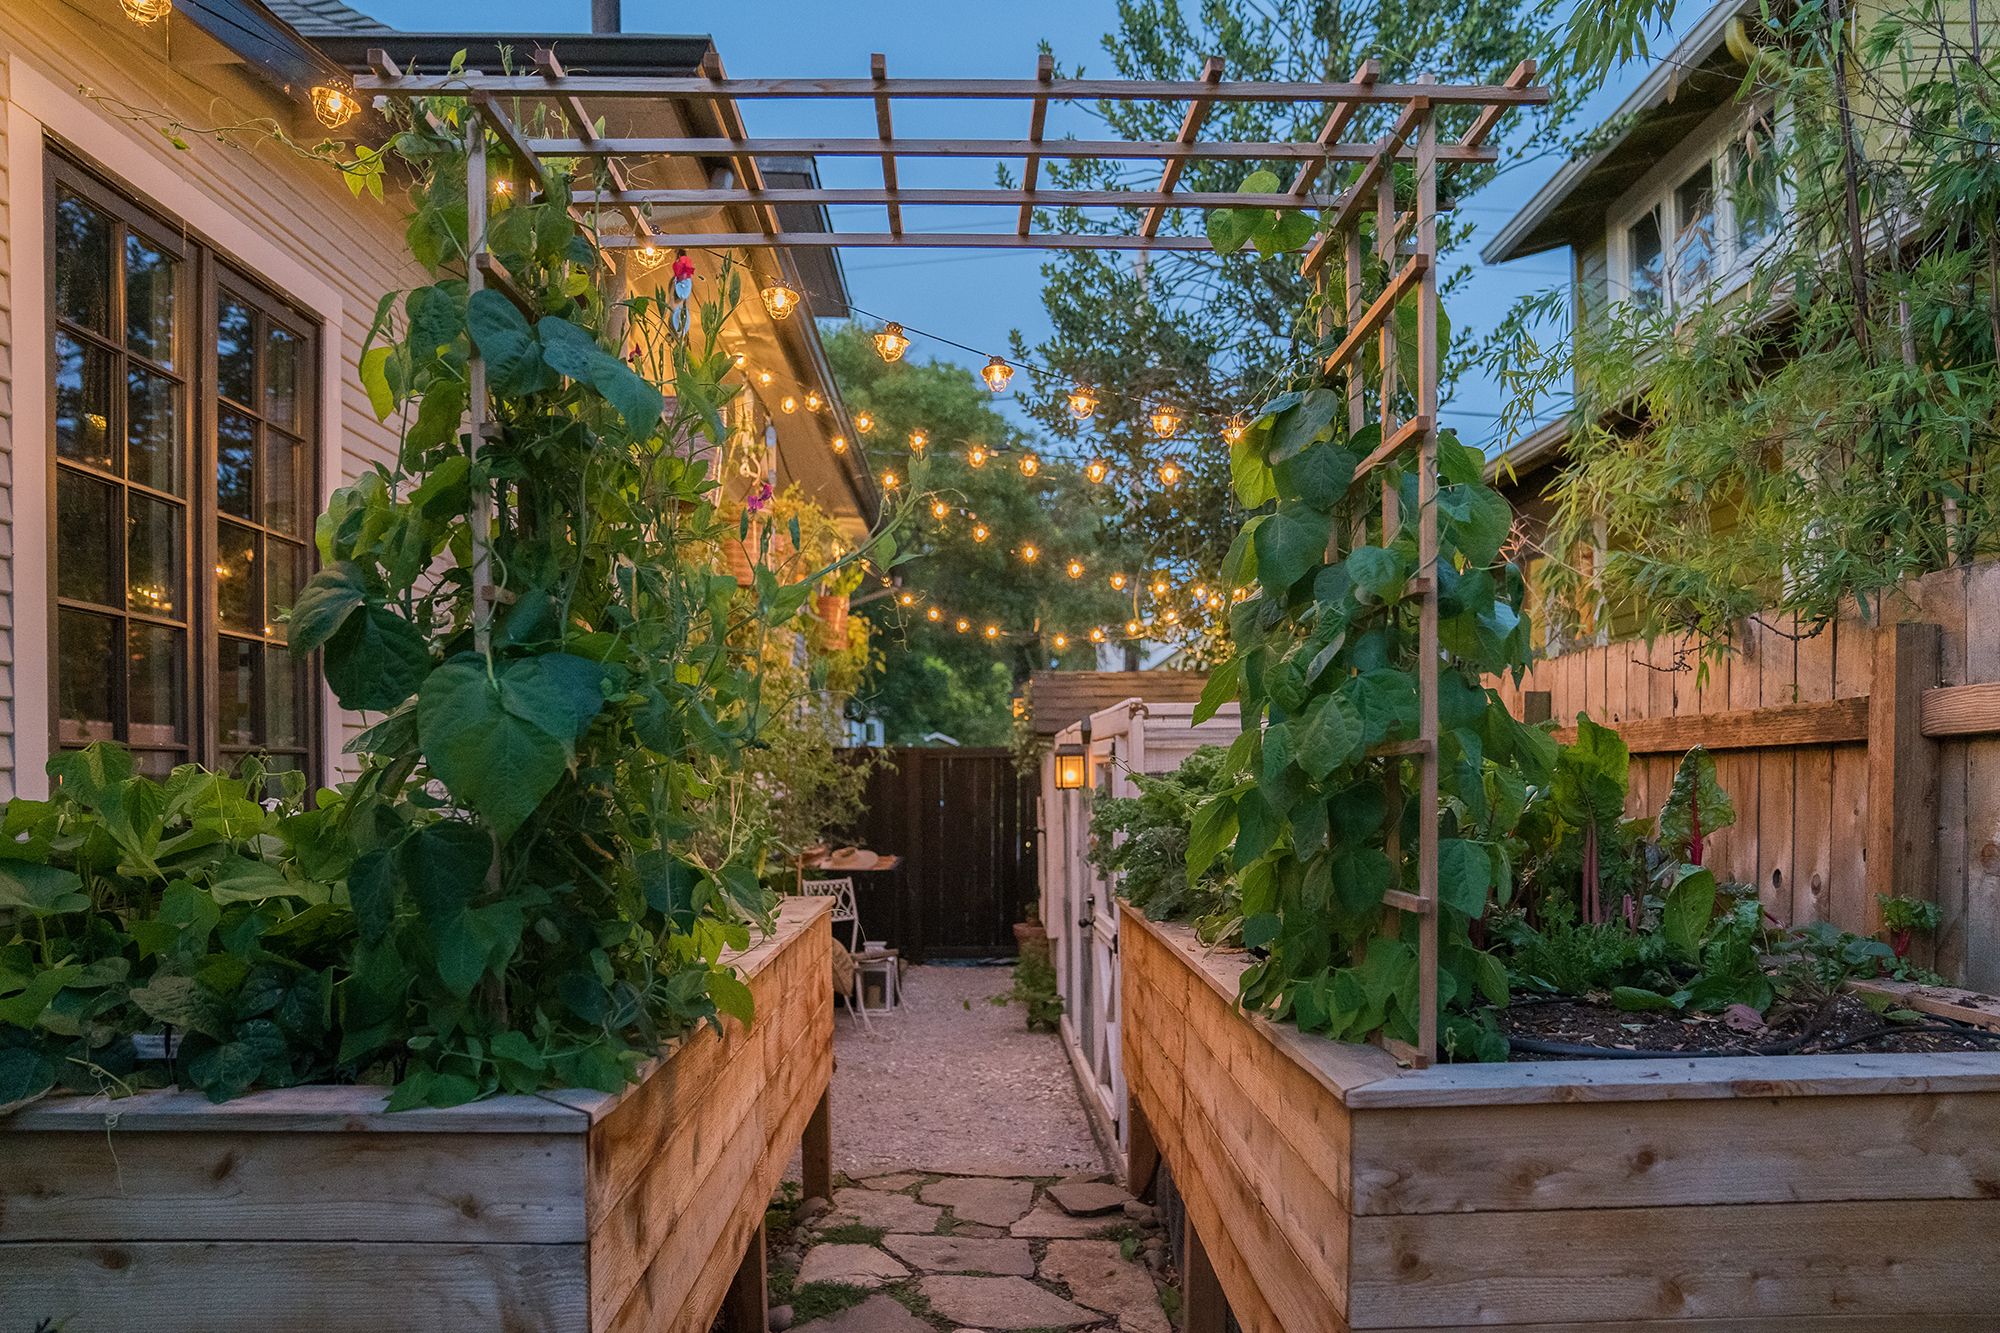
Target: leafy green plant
{"x":1904,"y":917}
{"x":1035,"y":989}
{"x":1562,"y":956}
{"x":1141,"y":842}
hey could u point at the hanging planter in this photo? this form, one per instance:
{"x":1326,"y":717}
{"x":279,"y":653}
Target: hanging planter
{"x":831,"y":611}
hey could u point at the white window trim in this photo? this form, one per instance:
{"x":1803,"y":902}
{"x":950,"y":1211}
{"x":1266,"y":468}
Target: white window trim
{"x":39,"y":107}
{"x":1710,"y":143}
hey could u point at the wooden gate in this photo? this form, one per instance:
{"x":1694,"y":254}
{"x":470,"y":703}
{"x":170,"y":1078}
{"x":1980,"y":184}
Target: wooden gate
{"x":963,"y":819}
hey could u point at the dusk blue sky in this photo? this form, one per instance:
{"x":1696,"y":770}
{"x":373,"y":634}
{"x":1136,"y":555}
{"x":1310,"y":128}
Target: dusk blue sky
{"x":971,"y":296}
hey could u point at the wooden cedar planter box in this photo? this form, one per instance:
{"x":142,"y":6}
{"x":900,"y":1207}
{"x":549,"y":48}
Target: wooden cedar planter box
{"x":312,"y":1208}
{"x":1333,"y":1190}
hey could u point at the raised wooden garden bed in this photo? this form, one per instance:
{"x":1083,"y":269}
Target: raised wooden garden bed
{"x":1329,"y":1189}
{"x":313,"y":1208}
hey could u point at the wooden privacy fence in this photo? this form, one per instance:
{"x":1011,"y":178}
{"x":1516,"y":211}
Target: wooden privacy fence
{"x":1863,"y":759}
{"x":963,"y":819}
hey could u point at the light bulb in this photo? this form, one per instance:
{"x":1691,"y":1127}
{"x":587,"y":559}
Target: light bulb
{"x":1172,"y":616}
{"x":1165,"y":420}
{"x":963,"y":625}
{"x":1200,"y":593}
{"x":907,"y":599}
{"x":992,"y":631}
{"x":918,"y":441}
{"x":1118,"y":583}
{"x":1096,"y":635}
{"x":334,"y":106}
{"x":1233,"y":432}
{"x":1062,"y":642}
{"x":996,"y":374}
{"x":980,"y":532}
{"x":839,"y":444}
{"x":1214,"y":601}
{"x":788,"y":404}
{"x":1031,"y":553}
{"x":1074,"y":569}
{"x":503,"y":186}
{"x":1160,"y":587}
{"x":933,"y":615}
{"x":780,"y":300}
{"x":649,"y":257}
{"x":148,"y":11}
{"x":1170,"y":473}
{"x":976,"y":455}
{"x":939,"y":509}
{"x":1082,"y":402}
{"x":890,"y":344}
{"x":1238,"y":594}
{"x":1097,"y":469}
{"x":764,"y":379}
{"x":1030,"y":465}
{"x":813,"y":401}
{"x":1132,"y":628}
{"x":863,"y":422}
{"x":741,"y":359}
{"x":889,"y":481}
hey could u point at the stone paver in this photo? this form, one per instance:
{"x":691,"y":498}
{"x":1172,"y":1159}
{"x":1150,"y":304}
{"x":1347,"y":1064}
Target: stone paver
{"x":877,"y":1314}
{"x":1002,"y":1303}
{"x":1087,"y":1198}
{"x":1098,"y":1276}
{"x":958,"y":1254}
{"x":854,"y":1265}
{"x":982,"y":1199}
{"x":1045,"y":1222}
{"x":895,"y":1182}
{"x":874,"y":1208}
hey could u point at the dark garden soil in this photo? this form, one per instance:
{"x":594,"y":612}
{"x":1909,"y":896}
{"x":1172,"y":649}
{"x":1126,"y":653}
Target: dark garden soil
{"x":1851,"y":1026}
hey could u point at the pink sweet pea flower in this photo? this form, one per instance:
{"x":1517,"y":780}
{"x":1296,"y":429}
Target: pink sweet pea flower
{"x":760,"y":498}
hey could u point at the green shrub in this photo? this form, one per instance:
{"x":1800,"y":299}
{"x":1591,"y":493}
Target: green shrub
{"x":1141,"y":841}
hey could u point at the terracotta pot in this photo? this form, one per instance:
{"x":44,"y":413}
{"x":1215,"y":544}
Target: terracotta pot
{"x":832,"y":612}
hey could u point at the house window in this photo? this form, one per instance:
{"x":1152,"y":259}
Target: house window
{"x":183,"y":441}
{"x":1690,"y":238}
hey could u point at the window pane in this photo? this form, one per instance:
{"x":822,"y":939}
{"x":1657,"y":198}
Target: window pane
{"x":1694,"y":204}
{"x":156,"y":764}
{"x":281,"y":379}
{"x":236,"y":691}
{"x":236,"y":597}
{"x":83,"y":264}
{"x":1753,"y":182}
{"x":153,"y":560}
{"x":152,"y":430}
{"x":149,"y":301}
{"x":282,"y":577}
{"x":86,"y":548}
{"x":235,"y":352}
{"x":88,"y":664}
{"x":83,"y":403}
{"x":156,"y":691}
{"x":282,"y":712}
{"x":1643,"y":243}
{"x":235,"y":464}
{"x":281,"y":483}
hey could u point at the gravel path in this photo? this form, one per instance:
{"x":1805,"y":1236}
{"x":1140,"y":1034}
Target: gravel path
{"x":956,"y":1083}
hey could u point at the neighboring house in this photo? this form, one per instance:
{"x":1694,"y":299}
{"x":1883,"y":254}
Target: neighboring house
{"x":179,"y":390}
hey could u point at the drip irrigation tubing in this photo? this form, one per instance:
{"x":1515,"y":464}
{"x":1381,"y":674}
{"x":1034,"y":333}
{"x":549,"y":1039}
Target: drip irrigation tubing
{"x":1535,"y":1046}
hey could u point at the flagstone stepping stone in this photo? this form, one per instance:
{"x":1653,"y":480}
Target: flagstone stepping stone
{"x":996,"y":1203}
{"x":853,"y":1265}
{"x":875,"y":1208}
{"x":958,"y":1254}
{"x":877,"y":1314}
{"x":1002,"y":1303}
{"x":894,"y":1183}
{"x":1046,"y":1223}
{"x":1098,"y":1276}
{"x":1087,"y":1198}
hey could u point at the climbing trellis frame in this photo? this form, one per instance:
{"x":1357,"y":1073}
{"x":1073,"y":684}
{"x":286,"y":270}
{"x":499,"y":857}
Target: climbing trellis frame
{"x":1406,"y":240}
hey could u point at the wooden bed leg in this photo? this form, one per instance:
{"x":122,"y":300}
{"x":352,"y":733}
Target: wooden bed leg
{"x":816,"y":1151}
{"x":747,"y":1307}
{"x":1204,"y":1308}
{"x":1142,"y":1158}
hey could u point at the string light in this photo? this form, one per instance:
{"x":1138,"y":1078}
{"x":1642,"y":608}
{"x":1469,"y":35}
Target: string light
{"x":890,"y":344}
{"x":933,"y":615}
{"x":840,"y":444}
{"x":1118,"y":583}
{"x":980,"y":532}
{"x":992,"y":631}
{"x":889,"y":481}
{"x":1165,"y":420}
{"x":919,"y":440}
{"x":940,"y":510}
{"x":1170,"y":473}
{"x":1097,"y":469}
{"x":1238,"y":594}
{"x":764,"y":379}
{"x":1233,"y":432}
{"x":1161,"y":587}
{"x":1031,"y":553}
{"x":1074,"y":569}
{"x":907,"y":599}
{"x":502,"y":186}
{"x":813,"y":401}
{"x":1172,"y":616}
{"x":962,"y":625}
{"x":1097,"y":636}
{"x":1082,"y":402}
{"x":1132,"y":629}
{"x":1200,"y":593}
{"x":976,"y":455}
{"x":788,"y":404}
{"x":649,"y":257}
{"x":996,"y":374}
{"x":148,"y":11}
{"x":863,"y":422}
{"x":1030,"y":465}
{"x":334,"y":106}
{"x":780,"y":300}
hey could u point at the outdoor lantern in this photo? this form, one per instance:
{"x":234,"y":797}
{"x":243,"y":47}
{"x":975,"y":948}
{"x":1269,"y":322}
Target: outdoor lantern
{"x":940,"y":510}
{"x":839,"y":444}
{"x":788,"y":404}
{"x":1069,"y":768}
{"x":889,"y":482}
{"x":1031,"y":553}
{"x":992,"y":631}
{"x":1133,"y":628}
{"x":764,"y":379}
{"x":1082,"y":402}
{"x":980,"y":532}
{"x":780,"y":300}
{"x":1096,"y":634}
{"x":1170,"y":473}
{"x":963,"y":625}
{"x":976,"y":455}
{"x":1062,"y":642}
{"x":1160,"y":587}
{"x":1233,"y":432}
{"x":933,"y":615}
{"x":1165,"y":420}
{"x":907,"y":599}
{"x":334,"y":106}
{"x":1074,"y":569}
{"x":1030,"y":465}
{"x":148,"y":11}
{"x":1097,"y":469}
{"x":1118,"y":583}
{"x":890,"y":344}
{"x":813,"y":401}
{"x":863,"y":422}
{"x":918,"y":441}
{"x":502,"y":186}
{"x":996,"y":374}
{"x":651,"y":257}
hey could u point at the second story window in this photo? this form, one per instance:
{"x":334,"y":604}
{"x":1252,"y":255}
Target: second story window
{"x":1696,"y":233}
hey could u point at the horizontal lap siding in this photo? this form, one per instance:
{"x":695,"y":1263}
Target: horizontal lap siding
{"x":7,"y":335}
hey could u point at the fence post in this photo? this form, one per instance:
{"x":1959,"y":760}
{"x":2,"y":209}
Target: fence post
{"x":1902,"y":771}
{"x":746,"y":1309}
{"x":816,"y":1151}
{"x":1204,"y":1308}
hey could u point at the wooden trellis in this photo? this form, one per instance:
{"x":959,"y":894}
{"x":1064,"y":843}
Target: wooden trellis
{"x":1406,"y":244}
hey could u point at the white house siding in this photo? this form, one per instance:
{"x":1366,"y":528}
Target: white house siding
{"x":288,"y":221}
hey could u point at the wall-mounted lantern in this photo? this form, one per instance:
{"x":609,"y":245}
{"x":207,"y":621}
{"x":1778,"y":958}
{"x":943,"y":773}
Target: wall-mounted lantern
{"x":1069,"y":767}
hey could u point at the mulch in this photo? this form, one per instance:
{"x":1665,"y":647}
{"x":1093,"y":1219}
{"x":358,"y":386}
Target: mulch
{"x":1596,"y":1023}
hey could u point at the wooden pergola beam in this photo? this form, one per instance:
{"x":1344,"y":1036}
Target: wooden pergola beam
{"x":922,"y":240}
{"x":614,"y":171}
{"x":1197,"y":112}
{"x":1337,"y":121}
{"x":1111,"y":149}
{"x":1360,"y":195}
{"x":990,"y":197}
{"x":1489,"y":115}
{"x":878,"y":65}
{"x":1031,"y":171}
{"x":1378,"y":310}
{"x":742,"y":156}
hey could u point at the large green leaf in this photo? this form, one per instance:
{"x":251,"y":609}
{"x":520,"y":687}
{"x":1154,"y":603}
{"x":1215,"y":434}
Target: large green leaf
{"x":1214,"y":829}
{"x":1696,"y":809}
{"x":40,"y":890}
{"x":376,"y":660}
{"x":1304,"y":423}
{"x":1329,"y":735}
{"x":324,"y":605}
{"x":1288,"y":545}
{"x":506,"y":342}
{"x":1218,"y":689}
{"x":1465,"y":875}
{"x":1690,"y":906}
{"x":445,"y":865}
{"x":499,"y":764}
{"x":572,"y":352}
{"x":1249,"y":473}
{"x":560,"y":692}
{"x":1320,"y":476}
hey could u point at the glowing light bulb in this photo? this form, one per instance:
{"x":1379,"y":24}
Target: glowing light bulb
{"x":1238,"y":594}
{"x":148,"y":11}
{"x":976,"y":455}
{"x":996,"y":374}
{"x":502,"y":186}
{"x":1200,"y":592}
{"x":765,"y":379}
{"x":649,"y":257}
{"x":919,"y":441}
{"x":1096,"y":635}
{"x":839,"y":444}
{"x":334,"y":106}
{"x":1074,"y":569}
{"x":992,"y":631}
{"x":1132,"y":629}
{"x":1082,"y":402}
{"x":1160,"y":587}
{"x":1062,"y":642}
{"x":863,"y":422}
{"x":1172,"y":616}
{"x":1170,"y":473}
{"x":890,"y":344}
{"x":1030,"y":465}
{"x":1165,"y":420}
{"x":780,"y":300}
{"x":1214,"y":601}
{"x":962,"y":625}
{"x":813,"y":401}
{"x":1031,"y":553}
{"x":788,"y":404}
{"x":980,"y":532}
{"x":940,"y":510}
{"x":1118,"y":583}
{"x":889,"y":481}
{"x":741,"y":359}
{"x":907,"y":599}
{"x":1233,"y":432}
{"x":933,"y":615}
{"x":1097,"y":469}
